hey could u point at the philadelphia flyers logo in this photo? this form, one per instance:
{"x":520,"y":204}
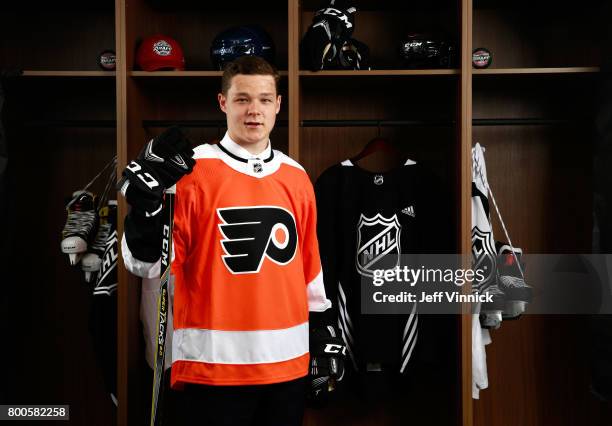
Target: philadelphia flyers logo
{"x":254,"y":233}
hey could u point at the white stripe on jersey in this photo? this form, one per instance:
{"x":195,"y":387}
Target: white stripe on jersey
{"x":240,"y":347}
{"x":409,"y":353}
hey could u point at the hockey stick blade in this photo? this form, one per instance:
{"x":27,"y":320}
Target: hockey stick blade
{"x":162,"y":316}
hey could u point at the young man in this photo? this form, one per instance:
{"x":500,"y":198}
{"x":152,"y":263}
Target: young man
{"x":246,"y":266}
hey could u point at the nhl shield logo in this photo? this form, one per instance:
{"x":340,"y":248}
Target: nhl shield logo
{"x":376,"y":238}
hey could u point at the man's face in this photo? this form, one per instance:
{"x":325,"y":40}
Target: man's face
{"x":251,"y":105}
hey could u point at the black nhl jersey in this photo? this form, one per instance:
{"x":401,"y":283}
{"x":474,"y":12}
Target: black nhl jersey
{"x":363,"y":216}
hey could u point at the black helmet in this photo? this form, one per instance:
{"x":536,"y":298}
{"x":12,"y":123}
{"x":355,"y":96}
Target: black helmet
{"x":424,"y":50}
{"x":239,"y":41}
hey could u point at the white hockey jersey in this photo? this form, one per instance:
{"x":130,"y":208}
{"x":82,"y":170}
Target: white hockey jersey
{"x":483,"y":250}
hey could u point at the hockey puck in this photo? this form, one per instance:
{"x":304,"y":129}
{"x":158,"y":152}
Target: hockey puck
{"x":481,"y":58}
{"x":106,"y":60}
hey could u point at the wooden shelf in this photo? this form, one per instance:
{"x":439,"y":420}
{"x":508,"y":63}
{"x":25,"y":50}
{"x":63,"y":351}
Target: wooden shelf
{"x":331,"y":73}
{"x":174,"y":74}
{"x":511,"y":71}
{"x":374,"y":5}
{"x":337,"y":73}
{"x":29,"y":73}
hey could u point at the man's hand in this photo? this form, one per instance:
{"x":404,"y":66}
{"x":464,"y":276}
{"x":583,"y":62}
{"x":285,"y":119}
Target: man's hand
{"x":159,"y":165}
{"x":327,"y":353}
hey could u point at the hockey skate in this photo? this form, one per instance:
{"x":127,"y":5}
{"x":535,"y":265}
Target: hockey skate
{"x":81,"y":224}
{"x":511,"y":282}
{"x":491,"y":313}
{"x":91,"y":262}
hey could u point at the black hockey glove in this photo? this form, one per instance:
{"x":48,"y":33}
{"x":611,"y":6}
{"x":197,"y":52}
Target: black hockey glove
{"x":159,"y":165}
{"x":327,"y":353}
{"x":331,"y":27}
{"x":340,"y":18}
{"x":354,"y":55}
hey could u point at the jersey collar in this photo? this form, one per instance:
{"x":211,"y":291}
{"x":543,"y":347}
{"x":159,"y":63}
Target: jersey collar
{"x":238,"y":153}
{"x":258,"y":166}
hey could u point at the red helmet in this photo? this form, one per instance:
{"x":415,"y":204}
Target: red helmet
{"x":160,"y":52}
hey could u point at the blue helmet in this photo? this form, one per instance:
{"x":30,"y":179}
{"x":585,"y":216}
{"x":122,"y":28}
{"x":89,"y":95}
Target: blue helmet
{"x":239,"y":41}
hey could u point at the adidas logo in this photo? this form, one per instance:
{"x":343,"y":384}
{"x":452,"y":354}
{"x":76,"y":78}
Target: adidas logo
{"x":409,"y":211}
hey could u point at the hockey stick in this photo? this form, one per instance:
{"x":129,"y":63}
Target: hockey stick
{"x":162,"y":306}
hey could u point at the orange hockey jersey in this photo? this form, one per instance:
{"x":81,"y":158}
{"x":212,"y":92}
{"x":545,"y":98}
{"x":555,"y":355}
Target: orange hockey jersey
{"x":247,"y":268}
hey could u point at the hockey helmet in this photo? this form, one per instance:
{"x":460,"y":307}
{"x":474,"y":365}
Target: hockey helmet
{"x":423,"y":50}
{"x":160,"y":52}
{"x":239,"y":41}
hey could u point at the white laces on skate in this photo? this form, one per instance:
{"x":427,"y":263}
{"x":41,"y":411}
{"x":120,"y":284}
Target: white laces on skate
{"x":101,"y":237}
{"x":509,"y":281}
{"x":79,"y":222}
